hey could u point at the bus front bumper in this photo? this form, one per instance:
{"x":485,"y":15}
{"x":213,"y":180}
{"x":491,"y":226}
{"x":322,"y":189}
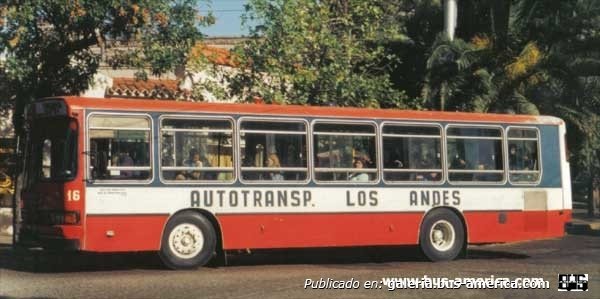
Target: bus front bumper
{"x":47,"y":237}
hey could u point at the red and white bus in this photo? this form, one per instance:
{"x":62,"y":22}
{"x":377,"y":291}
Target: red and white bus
{"x":192,"y":180}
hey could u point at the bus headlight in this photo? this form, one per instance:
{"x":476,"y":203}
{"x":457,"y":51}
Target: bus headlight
{"x":63,"y":217}
{"x":71,"y":218}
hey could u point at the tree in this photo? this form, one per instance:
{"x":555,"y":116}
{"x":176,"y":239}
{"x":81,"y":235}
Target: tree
{"x":320,"y":53}
{"x":568,"y":33}
{"x":453,"y":75}
{"x":547,"y":60}
{"x":457,"y":78}
{"x":55,"y":47}
{"x":422,"y":22}
{"x":481,"y":70}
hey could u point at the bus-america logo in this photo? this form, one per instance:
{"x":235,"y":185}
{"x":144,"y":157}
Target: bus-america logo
{"x":573,"y":282}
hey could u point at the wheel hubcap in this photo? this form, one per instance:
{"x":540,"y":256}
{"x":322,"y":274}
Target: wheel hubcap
{"x":186,"y":240}
{"x":442,"y":235}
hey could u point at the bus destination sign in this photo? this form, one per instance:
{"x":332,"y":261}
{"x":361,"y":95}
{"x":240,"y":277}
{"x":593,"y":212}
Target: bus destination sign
{"x":50,"y":108}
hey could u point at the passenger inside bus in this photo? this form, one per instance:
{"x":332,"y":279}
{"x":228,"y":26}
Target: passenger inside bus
{"x":428,"y":162}
{"x":357,"y":176}
{"x":482,"y":176}
{"x":393,"y":158}
{"x":520,"y":160}
{"x":512,"y":157}
{"x":433,"y":176}
{"x":125,"y":160}
{"x":459,"y":163}
{"x":197,"y":160}
{"x":273,"y":162}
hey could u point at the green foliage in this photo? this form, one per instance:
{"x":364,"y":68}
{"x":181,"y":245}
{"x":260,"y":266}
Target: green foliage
{"x":549,"y":64}
{"x":319,"y":53}
{"x":569,"y":33}
{"x":457,"y":77}
{"x":422,"y":22}
{"x":54,"y":47}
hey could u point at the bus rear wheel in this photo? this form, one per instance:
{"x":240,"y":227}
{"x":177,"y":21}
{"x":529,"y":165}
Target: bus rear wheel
{"x":188,"y":242}
{"x":442,"y":236}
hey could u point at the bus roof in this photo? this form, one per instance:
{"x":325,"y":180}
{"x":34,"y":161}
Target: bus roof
{"x":151,"y":105}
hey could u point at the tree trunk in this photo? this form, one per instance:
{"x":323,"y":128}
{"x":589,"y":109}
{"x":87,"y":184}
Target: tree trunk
{"x":594,"y":197}
{"x":443,"y":95}
{"x":17,"y":187}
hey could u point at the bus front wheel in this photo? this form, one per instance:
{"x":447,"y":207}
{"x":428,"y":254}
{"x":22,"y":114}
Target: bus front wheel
{"x":188,"y":242}
{"x":442,"y":235}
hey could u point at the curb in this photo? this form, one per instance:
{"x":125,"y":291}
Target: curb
{"x":578,"y":228}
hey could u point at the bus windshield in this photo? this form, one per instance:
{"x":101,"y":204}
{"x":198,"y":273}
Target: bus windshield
{"x":51,"y":150}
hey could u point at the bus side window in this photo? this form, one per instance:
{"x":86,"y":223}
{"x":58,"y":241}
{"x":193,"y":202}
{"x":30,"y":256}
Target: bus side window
{"x":196,"y":149}
{"x":273,"y":150}
{"x":474,"y":154}
{"x":337,"y":147}
{"x":523,"y":155}
{"x":412,"y":153}
{"x":120,"y":146}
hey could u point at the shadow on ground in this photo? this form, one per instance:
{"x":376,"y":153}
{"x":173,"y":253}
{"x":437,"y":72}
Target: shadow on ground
{"x":57,"y":262}
{"x":43,"y":261}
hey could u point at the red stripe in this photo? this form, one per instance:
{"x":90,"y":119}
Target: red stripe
{"x":318,"y":230}
{"x":131,"y":232}
{"x":295,"y":110}
{"x":137,"y":233}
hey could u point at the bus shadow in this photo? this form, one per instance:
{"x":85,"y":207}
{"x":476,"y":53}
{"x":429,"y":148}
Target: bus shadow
{"x":480,"y":254}
{"x":325,"y":256}
{"x":353,"y":255}
{"x":41,"y":261}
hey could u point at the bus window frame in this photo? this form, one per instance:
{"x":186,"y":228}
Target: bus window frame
{"x":307,"y":131}
{"x":88,"y":175}
{"x":198,"y":117}
{"x":502,"y":139}
{"x":443,"y":168}
{"x":378,"y":150}
{"x":539,"y":149}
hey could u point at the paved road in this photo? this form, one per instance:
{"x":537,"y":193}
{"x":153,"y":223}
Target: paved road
{"x":280,"y":274}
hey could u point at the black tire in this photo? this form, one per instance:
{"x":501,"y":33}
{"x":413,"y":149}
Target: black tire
{"x":446,"y":242}
{"x":176,"y":251}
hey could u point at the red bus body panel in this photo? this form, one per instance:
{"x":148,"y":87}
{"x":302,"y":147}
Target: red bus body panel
{"x":317,"y":230}
{"x":484,"y":227}
{"x":116,"y":233}
{"x":144,"y":232}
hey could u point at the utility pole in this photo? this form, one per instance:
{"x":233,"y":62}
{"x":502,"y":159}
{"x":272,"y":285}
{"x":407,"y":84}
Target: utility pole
{"x":450,"y":15}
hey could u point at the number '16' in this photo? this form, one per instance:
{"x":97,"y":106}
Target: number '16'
{"x":73,"y":195}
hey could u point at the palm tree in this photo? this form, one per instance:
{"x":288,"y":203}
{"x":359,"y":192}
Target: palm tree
{"x":458,"y":77}
{"x":532,"y":56}
{"x":569,"y":33}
